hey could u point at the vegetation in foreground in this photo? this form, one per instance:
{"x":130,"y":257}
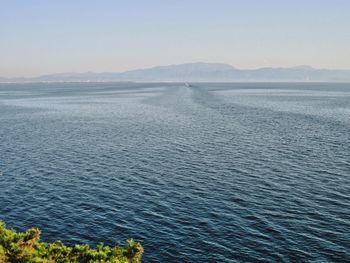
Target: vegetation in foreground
{"x":26,"y":247}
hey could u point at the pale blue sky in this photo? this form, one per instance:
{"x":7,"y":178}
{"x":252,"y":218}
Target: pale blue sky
{"x":50,"y":36}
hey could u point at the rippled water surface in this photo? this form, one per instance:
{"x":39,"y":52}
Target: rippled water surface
{"x":207,"y":173}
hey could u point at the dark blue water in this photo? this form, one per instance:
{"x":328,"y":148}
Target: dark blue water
{"x":207,"y":173}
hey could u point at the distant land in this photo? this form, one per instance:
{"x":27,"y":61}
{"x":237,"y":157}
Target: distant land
{"x":199,"y":72}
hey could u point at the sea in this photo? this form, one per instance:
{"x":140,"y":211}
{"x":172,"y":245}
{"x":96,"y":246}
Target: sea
{"x":205,"y":172}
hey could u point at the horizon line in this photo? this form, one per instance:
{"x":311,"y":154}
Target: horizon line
{"x":174,"y":64}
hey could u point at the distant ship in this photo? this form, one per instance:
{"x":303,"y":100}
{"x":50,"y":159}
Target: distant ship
{"x":187,"y":85}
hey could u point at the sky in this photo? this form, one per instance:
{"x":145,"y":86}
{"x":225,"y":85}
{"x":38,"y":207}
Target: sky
{"x":41,"y":37}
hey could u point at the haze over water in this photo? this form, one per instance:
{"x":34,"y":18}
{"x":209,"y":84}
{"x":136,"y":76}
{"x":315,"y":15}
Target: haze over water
{"x":206,"y":173}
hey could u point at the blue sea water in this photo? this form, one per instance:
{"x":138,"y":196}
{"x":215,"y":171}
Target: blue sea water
{"x":205,"y":173}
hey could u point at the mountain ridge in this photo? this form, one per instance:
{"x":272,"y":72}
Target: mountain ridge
{"x":198,"y":72}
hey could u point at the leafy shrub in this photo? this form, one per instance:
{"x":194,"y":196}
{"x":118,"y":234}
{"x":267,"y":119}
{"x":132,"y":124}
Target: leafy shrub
{"x":27,"y":248}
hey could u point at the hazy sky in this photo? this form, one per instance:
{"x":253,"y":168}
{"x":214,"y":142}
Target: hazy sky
{"x":50,"y":36}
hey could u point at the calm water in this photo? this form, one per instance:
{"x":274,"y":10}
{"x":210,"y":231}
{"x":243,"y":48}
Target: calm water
{"x":209,"y":173}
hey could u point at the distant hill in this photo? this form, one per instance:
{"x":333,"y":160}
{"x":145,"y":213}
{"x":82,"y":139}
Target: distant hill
{"x":201,"y":72}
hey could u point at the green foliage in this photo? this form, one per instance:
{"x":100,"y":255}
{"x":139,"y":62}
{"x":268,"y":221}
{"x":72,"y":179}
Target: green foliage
{"x":26,"y":247}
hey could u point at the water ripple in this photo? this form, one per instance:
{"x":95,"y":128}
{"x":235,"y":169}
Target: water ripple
{"x":208,"y":173}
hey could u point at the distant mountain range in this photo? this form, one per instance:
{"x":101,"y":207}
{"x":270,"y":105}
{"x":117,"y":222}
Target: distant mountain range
{"x":199,"y":72}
